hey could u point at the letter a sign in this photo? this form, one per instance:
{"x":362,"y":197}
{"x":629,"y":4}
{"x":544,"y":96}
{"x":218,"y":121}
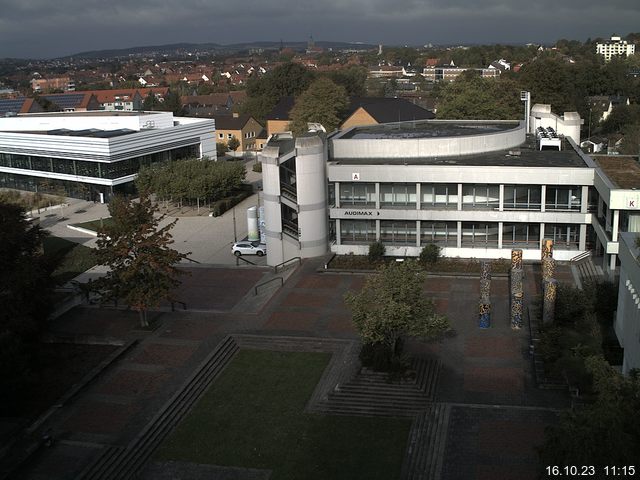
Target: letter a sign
{"x":355,"y":176}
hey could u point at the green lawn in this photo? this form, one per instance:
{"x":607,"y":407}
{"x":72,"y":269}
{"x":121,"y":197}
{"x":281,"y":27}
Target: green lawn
{"x":95,"y":224}
{"x":75,"y":260}
{"x":252,"y":417}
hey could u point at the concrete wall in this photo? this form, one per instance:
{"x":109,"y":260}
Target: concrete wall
{"x":627,"y":322}
{"x":427,"y":147}
{"x":567,"y":125}
{"x":272,"y":210}
{"x":312,"y":195}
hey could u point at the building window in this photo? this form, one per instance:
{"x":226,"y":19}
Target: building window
{"x":357,"y":231}
{"x":397,"y":195}
{"x":480,"y":235}
{"x":521,"y":235}
{"x":439,"y":195}
{"x":398,"y":232}
{"x":564,"y":236}
{"x":480,"y":197}
{"x":563,"y":198}
{"x":221,"y":136}
{"x":522,"y":197}
{"x":441,"y":233}
{"x":357,"y":194}
{"x":229,"y":135}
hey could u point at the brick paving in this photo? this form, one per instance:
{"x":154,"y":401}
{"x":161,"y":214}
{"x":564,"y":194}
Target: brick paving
{"x":489,"y":367}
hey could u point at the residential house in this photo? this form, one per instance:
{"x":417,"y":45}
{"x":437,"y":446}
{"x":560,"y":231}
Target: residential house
{"x":243,"y":127}
{"x":376,"y":110}
{"x":615,"y":47}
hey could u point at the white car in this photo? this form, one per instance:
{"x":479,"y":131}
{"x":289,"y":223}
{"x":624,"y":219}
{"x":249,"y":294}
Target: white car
{"x":248,"y":248}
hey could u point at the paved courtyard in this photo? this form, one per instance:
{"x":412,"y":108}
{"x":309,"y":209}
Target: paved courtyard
{"x":497,"y":414}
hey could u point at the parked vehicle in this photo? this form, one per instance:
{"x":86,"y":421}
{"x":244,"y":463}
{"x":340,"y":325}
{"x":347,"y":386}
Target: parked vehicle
{"x":249,"y":248}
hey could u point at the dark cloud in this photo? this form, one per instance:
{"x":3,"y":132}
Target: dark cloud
{"x":45,"y":28}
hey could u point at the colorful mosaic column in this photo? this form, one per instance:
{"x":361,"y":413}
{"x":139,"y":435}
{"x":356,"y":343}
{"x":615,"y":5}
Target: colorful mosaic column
{"x":516,"y":289}
{"x":547,"y":248}
{"x":484,"y":307}
{"x":549,"y":300}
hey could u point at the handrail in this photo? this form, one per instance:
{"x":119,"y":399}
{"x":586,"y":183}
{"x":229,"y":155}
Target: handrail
{"x":244,"y":260}
{"x":275,"y":269}
{"x":581,"y":256}
{"x":255,"y":289}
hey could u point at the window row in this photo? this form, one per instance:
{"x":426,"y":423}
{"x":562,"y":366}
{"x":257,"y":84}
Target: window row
{"x":446,"y":196}
{"x":445,"y":234}
{"x":110,"y":170}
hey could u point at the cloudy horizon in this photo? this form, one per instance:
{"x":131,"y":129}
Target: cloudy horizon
{"x":45,"y":29}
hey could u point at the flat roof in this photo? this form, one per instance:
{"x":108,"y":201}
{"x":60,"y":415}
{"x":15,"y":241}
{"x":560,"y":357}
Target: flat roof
{"x":623,"y":171}
{"x":428,"y":129}
{"x":89,"y":113}
{"x":525,"y":155}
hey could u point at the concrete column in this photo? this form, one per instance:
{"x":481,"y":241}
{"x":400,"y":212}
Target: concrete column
{"x":418,"y":196}
{"x":600,"y":203}
{"x":338,"y":232}
{"x":377,"y":195}
{"x":269,"y":157}
{"x":377,"y":230}
{"x":541,"y":236}
{"x":583,"y":238}
{"x":584,"y":200}
{"x":614,"y":225}
{"x":337,"y":194}
{"x":459,"y":203}
{"x":417,"y":233}
{"x":612,"y":263}
{"x":500,"y":225}
{"x":543,"y":198}
{"x":459,"y":240}
{"x":311,"y":161}
{"x":501,"y":200}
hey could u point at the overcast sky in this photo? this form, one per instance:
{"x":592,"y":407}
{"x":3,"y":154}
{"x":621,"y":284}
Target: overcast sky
{"x":50,"y":28}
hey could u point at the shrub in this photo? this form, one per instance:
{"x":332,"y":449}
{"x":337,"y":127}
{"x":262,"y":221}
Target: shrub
{"x":376,"y":251}
{"x":430,"y":254}
{"x":257,"y":167}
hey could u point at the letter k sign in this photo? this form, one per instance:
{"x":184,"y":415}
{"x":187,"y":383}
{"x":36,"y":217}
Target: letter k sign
{"x":355,"y":176}
{"x":632,"y":204}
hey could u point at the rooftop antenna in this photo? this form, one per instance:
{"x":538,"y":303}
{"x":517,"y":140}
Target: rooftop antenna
{"x":526,"y":98}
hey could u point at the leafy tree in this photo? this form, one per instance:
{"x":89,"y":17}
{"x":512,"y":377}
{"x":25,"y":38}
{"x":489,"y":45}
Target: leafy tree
{"x":429,"y":254}
{"x":26,"y":289}
{"x":606,"y":432}
{"x":472,"y":97}
{"x":549,"y":80}
{"x":142,"y":269}
{"x":151,"y":102}
{"x":288,"y":79}
{"x":323,"y":102}
{"x":221,"y":149}
{"x":376,"y":251}
{"x":353,"y":79}
{"x":233,"y":143}
{"x":631,"y":139}
{"x":392,"y":305}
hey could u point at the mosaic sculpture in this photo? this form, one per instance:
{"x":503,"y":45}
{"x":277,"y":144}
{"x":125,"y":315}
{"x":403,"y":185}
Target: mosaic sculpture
{"x":549,"y":300}
{"x":516,"y":259}
{"x":547,"y":248}
{"x":484,"y":307}
{"x":516,"y":289}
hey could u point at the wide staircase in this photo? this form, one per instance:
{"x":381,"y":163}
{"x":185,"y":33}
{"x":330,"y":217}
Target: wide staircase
{"x":122,"y":463}
{"x":374,"y":393}
{"x":427,"y":439}
{"x":583,"y":267}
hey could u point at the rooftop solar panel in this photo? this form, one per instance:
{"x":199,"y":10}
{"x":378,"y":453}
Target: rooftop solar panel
{"x":11,"y":105}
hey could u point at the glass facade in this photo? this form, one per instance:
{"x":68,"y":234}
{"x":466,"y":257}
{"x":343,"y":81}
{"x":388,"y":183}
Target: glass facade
{"x":564,"y":236}
{"x":524,"y":235}
{"x":109,"y":170}
{"x":398,"y":232}
{"x":439,"y":196}
{"x":357,"y":231}
{"x":357,"y":195}
{"x":522,"y":197}
{"x":480,"y":197}
{"x":480,"y":235}
{"x":444,"y":234}
{"x":563,"y":198}
{"x":398,"y":195}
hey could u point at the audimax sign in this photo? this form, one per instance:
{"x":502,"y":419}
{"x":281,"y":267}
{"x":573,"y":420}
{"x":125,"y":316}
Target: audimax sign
{"x":361,"y":213}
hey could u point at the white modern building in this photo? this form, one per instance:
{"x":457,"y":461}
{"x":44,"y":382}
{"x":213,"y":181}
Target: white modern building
{"x":615,"y":47}
{"x":627,"y":321}
{"x":94,"y":154}
{"x":476,"y":188}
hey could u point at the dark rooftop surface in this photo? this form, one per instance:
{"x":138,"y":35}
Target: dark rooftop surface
{"x":89,"y":132}
{"x":526,"y":155}
{"x":624,"y":172}
{"x":427,"y":129}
